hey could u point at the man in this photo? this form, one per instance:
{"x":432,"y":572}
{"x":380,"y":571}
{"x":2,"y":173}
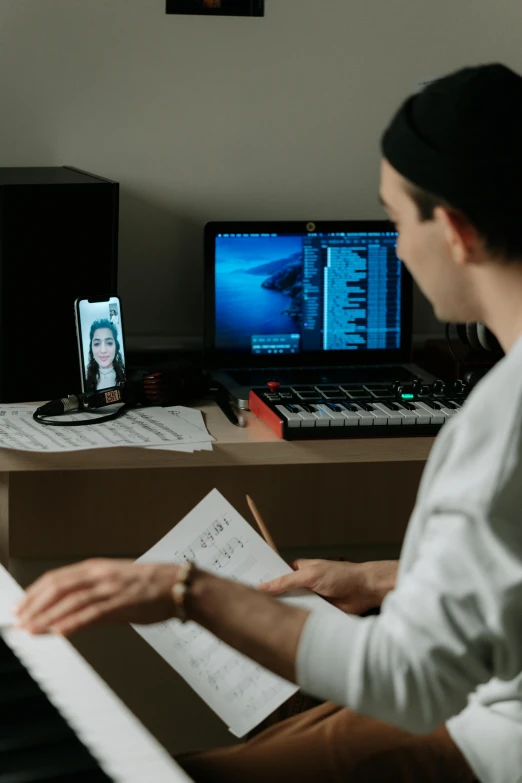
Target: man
{"x":451,"y":627}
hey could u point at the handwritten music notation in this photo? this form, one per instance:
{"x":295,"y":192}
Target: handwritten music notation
{"x":212,"y":548}
{"x":218,"y":539}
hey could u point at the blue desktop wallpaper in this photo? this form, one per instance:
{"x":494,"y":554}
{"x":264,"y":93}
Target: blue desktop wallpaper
{"x":258,"y":284}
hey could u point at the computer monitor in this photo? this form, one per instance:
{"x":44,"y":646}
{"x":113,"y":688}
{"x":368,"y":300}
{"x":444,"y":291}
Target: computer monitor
{"x":285,"y":293}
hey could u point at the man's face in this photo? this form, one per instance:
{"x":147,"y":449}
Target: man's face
{"x":430,"y":250}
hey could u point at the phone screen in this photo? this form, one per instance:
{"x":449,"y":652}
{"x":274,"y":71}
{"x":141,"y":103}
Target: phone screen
{"x":100,"y":342}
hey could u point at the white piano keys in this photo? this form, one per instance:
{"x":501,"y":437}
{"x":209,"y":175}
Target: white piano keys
{"x":351,"y":419}
{"x":443,"y":410}
{"x":393,"y":417}
{"x":436,"y":416}
{"x":123,"y":747}
{"x":423,"y":417}
{"x":354,"y":414}
{"x":409,"y":417}
{"x":452,"y":411}
{"x":337,"y":418}
{"x":307,"y":419}
{"x":380,"y":415}
{"x":293,"y":419}
{"x":322,"y":417}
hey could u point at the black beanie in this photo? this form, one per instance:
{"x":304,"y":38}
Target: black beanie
{"x":461,"y":138}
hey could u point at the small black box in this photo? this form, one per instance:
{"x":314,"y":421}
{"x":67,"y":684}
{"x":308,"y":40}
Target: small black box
{"x":217,"y":7}
{"x":58,"y":241}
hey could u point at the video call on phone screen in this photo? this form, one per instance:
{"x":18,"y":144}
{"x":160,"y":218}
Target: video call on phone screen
{"x":101,"y":338}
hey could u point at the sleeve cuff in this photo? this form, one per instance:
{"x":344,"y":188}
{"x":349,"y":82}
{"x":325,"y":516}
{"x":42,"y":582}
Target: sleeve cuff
{"x":330,"y":656}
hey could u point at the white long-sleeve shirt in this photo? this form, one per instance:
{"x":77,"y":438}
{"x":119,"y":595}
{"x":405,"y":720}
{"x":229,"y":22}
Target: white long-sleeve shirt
{"x":452,"y":628}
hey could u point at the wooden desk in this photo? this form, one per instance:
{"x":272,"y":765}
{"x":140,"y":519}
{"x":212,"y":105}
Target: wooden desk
{"x":120,"y":501}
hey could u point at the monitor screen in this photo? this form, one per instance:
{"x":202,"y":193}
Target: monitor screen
{"x":294,"y":293}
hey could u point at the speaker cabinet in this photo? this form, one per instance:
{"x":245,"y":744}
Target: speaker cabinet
{"x":58,"y":241}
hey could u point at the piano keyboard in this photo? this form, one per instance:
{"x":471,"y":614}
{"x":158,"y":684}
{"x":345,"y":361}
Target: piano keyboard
{"x":377,"y":410}
{"x":60,"y":722}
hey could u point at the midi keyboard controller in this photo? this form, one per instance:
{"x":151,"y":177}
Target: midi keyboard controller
{"x":374,"y":410}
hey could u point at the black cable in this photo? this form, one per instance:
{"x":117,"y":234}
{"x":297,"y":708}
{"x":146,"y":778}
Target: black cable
{"x":42,"y":417}
{"x":460,"y":362}
{"x":88,"y":403}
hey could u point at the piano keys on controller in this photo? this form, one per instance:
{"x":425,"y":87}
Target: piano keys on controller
{"x":378,"y":410}
{"x":60,"y":723}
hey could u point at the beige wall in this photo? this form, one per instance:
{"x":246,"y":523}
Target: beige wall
{"x":223,"y":118}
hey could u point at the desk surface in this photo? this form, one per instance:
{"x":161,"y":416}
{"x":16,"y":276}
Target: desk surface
{"x":254,"y":444}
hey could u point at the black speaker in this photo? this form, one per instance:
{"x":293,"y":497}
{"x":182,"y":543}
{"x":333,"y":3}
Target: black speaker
{"x":58,"y":241}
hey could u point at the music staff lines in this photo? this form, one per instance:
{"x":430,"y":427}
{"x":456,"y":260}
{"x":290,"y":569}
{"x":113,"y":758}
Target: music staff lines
{"x":212,"y":546}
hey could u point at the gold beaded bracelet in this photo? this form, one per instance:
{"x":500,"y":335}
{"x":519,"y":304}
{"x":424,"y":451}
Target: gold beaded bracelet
{"x":180,"y":589}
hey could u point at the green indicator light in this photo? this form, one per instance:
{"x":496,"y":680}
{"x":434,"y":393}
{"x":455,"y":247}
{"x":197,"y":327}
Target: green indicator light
{"x":407,"y":396}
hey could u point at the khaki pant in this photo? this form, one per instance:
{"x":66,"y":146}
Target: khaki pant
{"x":331,"y":744}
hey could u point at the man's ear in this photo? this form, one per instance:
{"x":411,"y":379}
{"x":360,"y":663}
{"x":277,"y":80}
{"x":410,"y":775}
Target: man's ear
{"x":461,"y":236}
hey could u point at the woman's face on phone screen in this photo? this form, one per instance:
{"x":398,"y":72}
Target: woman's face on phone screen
{"x":103,"y":347}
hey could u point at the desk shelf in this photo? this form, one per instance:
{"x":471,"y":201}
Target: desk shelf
{"x":254,"y":444}
{"x":120,"y":501}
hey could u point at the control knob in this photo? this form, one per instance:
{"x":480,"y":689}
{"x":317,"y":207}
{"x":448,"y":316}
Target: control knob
{"x":438,"y":387}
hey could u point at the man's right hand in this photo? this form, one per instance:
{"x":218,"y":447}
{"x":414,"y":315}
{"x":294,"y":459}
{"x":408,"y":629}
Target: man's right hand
{"x":352,"y":587}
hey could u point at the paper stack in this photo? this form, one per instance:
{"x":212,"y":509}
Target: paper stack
{"x":176,"y":428}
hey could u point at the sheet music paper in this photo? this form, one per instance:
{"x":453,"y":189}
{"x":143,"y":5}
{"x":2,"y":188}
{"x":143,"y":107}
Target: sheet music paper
{"x":218,"y":539}
{"x":194,"y":417}
{"x":145,"y":427}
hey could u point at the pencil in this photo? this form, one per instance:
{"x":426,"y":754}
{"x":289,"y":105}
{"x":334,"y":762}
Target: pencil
{"x":263,"y":528}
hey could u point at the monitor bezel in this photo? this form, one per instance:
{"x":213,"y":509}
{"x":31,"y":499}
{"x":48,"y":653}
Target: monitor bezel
{"x":216,"y":358}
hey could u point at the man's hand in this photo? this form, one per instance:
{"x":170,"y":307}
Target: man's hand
{"x":98,"y":590}
{"x":352,"y":587}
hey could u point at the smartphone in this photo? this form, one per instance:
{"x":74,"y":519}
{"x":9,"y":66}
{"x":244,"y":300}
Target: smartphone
{"x":101,"y":346}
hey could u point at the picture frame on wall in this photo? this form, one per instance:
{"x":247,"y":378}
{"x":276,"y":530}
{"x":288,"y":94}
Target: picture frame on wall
{"x":217,"y":7}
